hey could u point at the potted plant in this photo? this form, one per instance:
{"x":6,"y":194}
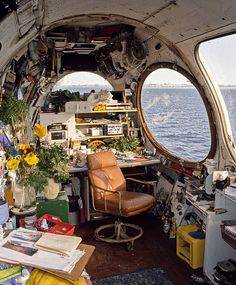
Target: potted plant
{"x":54,"y":165}
{"x":40,"y":166}
{"x":14,"y":112}
{"x":124,"y":144}
{"x":22,"y":167}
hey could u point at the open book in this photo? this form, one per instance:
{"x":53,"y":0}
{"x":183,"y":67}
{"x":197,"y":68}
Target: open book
{"x":60,"y":244}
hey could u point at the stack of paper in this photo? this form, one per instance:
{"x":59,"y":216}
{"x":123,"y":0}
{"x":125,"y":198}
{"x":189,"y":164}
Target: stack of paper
{"x":19,"y":247}
{"x":231,"y":191}
{"x":231,"y":230}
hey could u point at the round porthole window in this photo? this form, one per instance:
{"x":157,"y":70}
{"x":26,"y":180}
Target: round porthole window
{"x":174,"y":114}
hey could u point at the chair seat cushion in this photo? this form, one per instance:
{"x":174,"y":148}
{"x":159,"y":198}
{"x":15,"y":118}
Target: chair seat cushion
{"x":132,"y":203}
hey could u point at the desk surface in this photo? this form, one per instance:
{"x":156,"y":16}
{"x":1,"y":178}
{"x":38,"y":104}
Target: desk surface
{"x":126,"y":163}
{"x":80,"y":265}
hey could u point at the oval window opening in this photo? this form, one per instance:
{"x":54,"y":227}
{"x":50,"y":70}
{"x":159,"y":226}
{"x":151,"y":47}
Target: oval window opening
{"x":83,"y":82}
{"x":175,"y":114}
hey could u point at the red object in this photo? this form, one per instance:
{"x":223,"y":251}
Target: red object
{"x":182,"y":169}
{"x":56,"y":226}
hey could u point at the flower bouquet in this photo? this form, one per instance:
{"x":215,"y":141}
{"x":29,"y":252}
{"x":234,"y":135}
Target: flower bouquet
{"x":32,"y":165}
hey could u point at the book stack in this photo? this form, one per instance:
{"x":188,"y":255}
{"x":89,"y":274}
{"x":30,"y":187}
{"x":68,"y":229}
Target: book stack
{"x":46,"y":251}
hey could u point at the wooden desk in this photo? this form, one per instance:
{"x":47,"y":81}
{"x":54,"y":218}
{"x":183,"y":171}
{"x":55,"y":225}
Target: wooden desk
{"x":126,"y":163}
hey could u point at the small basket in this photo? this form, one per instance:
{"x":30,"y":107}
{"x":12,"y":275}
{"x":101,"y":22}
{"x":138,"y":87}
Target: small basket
{"x":56,"y":225}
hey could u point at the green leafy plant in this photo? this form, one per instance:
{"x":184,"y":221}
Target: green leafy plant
{"x":53,"y":162}
{"x":60,"y":97}
{"x":125,"y":144}
{"x":14,"y":112}
{"x":37,"y":180}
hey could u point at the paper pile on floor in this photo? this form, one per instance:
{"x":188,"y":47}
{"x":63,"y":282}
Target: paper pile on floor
{"x":24,"y":246}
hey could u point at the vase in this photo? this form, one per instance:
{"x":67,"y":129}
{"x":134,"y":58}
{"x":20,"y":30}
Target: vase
{"x":24,"y":196}
{"x":52,"y":189}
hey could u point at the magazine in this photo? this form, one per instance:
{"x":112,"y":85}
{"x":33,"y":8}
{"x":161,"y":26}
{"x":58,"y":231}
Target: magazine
{"x":19,"y":248}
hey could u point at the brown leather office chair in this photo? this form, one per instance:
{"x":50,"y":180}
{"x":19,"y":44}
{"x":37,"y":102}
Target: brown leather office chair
{"x":109,"y":195}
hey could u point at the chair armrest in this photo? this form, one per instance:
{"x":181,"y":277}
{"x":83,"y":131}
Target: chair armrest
{"x":141,"y":181}
{"x":105,"y":201}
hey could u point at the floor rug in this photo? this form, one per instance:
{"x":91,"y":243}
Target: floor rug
{"x":153,"y":276}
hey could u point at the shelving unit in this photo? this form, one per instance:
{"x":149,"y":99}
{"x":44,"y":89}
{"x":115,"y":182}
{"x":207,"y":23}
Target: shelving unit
{"x":96,"y":124}
{"x":115,"y":111}
{"x":216,"y":249}
{"x":100,"y":137}
{"x":88,"y":122}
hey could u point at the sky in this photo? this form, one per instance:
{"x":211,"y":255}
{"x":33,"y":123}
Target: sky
{"x":219,"y":55}
{"x":82,"y":78}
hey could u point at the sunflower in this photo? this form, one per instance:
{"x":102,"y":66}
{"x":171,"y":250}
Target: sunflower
{"x":40,"y":131}
{"x":13,"y":163}
{"x":31,"y":159}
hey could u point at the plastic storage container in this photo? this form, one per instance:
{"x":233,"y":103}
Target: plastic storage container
{"x":189,"y":248}
{"x":56,"y":226}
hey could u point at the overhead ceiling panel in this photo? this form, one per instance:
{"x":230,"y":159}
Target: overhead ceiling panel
{"x":187,"y":18}
{"x":139,"y":9}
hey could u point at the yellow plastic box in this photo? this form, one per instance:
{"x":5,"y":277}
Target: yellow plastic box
{"x":188,"y":248}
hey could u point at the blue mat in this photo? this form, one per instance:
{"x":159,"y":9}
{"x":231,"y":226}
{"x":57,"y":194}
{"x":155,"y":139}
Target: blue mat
{"x":153,"y":276}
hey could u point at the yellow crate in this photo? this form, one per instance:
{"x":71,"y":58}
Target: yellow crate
{"x":188,"y":248}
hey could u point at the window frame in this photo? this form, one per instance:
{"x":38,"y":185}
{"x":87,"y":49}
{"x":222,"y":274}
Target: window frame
{"x":225,"y":122}
{"x":160,"y":148}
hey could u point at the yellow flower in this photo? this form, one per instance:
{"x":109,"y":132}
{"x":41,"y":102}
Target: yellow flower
{"x":13,"y":163}
{"x":40,"y":131}
{"x":26,"y":148}
{"x":31,"y":158}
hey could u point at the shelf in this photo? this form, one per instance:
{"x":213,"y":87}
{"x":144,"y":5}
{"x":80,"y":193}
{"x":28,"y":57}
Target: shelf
{"x":99,"y":137}
{"x":115,"y":111}
{"x":99,"y":124}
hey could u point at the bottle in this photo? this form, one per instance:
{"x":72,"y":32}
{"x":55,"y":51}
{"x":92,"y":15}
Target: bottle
{"x":81,"y":211}
{"x":199,"y":279}
{"x":173,"y":229}
{"x":166,"y":225}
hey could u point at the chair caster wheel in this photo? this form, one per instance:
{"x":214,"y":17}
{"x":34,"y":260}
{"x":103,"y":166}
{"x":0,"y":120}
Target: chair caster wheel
{"x":130,"y":246}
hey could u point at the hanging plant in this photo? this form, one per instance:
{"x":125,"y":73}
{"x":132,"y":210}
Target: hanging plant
{"x":14,"y":112}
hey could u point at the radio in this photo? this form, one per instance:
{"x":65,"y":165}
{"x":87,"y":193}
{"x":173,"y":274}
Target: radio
{"x":114,"y":129}
{"x":57,"y":132}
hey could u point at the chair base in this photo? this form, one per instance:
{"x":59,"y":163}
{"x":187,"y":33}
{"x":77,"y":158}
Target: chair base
{"x":119,"y":233}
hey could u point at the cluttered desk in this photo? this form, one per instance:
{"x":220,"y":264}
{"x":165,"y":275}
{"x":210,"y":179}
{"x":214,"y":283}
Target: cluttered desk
{"x":124,"y":162}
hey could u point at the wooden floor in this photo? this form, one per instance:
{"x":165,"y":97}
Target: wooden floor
{"x":153,"y":249}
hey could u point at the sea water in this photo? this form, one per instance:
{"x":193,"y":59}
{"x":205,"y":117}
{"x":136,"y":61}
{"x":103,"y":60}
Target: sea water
{"x":178,"y":120}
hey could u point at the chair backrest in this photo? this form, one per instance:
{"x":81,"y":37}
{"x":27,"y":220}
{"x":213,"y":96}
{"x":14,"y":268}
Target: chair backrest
{"x":104,"y":173}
